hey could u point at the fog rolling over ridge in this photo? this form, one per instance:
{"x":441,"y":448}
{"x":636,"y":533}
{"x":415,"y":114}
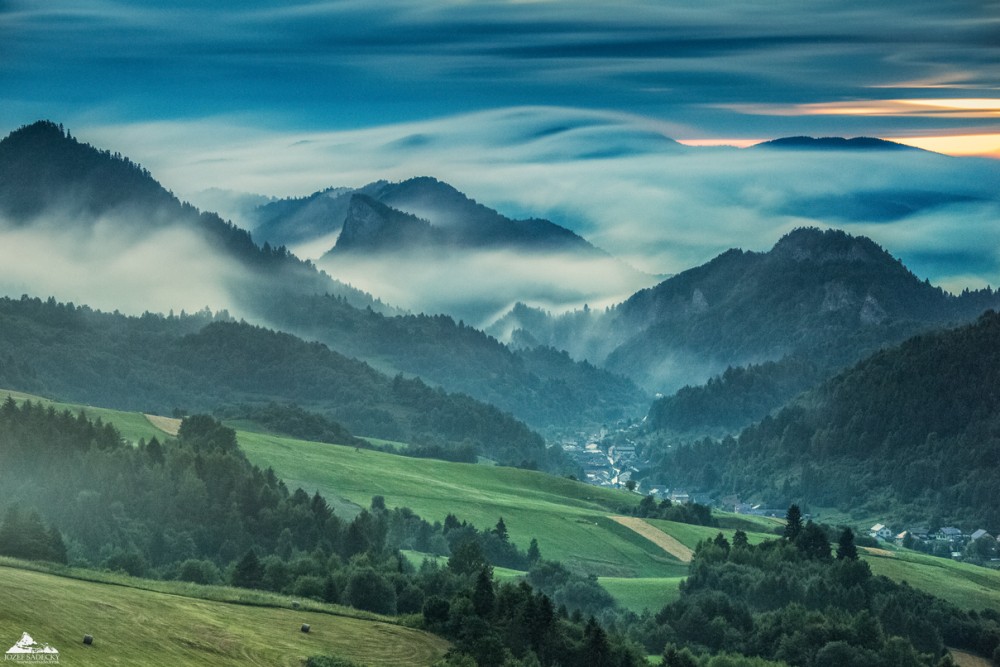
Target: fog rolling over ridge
{"x":43,"y":169}
{"x":169,"y":268}
{"x":617,"y":181}
{"x":423,"y":245}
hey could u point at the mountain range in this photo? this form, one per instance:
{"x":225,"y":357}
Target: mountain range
{"x":426,"y":246}
{"x":55,"y":188}
{"x":817,"y":301}
{"x":783,"y":319}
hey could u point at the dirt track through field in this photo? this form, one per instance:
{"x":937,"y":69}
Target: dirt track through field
{"x":166,"y":424}
{"x":656,"y":536}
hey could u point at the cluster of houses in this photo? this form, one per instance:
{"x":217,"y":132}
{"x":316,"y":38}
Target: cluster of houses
{"x":954,"y":539}
{"x":612,"y":466}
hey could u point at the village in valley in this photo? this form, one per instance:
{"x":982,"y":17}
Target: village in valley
{"x":609,"y":457}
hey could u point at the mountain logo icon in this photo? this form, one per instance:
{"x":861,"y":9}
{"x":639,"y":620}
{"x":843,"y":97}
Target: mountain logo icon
{"x":28,"y":650}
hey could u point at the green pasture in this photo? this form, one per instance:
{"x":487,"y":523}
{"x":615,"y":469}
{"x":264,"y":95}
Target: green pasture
{"x":964,"y":585}
{"x":690,"y":536}
{"x":137,"y":627}
{"x":651,"y":593}
{"x":568,"y":518}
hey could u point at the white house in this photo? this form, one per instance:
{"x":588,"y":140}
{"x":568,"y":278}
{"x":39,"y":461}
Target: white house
{"x":880,"y":531}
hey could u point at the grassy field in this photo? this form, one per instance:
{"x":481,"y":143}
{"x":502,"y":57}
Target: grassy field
{"x":967,"y":586}
{"x":132,"y":425}
{"x":133,"y":626}
{"x":690,"y":536}
{"x":638,"y":594}
{"x":568,"y":518}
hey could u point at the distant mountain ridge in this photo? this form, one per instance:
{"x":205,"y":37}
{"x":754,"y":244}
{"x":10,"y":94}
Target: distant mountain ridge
{"x":41,"y":164}
{"x":834,"y":143}
{"x":426,"y":246}
{"x":450,"y":219}
{"x":818,"y":300}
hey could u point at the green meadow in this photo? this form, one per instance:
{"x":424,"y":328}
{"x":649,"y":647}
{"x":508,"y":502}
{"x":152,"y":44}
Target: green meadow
{"x":568,"y":518}
{"x":967,"y":586}
{"x":132,"y":625}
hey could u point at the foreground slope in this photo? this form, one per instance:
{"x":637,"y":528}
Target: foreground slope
{"x":569,"y":519}
{"x":132,"y":626}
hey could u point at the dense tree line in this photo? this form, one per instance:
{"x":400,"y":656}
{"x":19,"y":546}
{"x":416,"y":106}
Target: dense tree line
{"x":692,"y":513}
{"x":792,"y":600}
{"x":203,"y":362}
{"x":736,"y":398}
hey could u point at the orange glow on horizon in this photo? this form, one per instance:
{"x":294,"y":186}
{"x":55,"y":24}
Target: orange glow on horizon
{"x":980,"y":107}
{"x":978,"y":145}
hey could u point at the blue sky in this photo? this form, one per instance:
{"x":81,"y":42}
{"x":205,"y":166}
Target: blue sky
{"x":719,"y":69}
{"x":559,"y":108}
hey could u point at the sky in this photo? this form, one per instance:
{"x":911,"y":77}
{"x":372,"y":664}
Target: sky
{"x":561,"y":108}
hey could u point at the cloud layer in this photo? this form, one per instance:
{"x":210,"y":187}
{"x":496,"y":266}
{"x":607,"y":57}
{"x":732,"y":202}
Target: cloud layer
{"x":616,"y":179}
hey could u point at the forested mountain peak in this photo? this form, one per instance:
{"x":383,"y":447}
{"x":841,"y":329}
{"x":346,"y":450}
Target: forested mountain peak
{"x":812,"y":244}
{"x":39,"y":161}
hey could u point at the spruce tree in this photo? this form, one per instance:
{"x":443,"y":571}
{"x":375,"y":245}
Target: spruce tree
{"x":846,"y":547}
{"x":483,"y":596}
{"x":534,"y":554}
{"x":793,"y":523}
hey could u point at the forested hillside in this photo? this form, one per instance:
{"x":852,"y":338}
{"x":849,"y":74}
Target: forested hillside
{"x":194,"y":509}
{"x":203,"y":362}
{"x":912,"y":432}
{"x":779,"y":321}
{"x":59,"y":186}
{"x":796,"y":602}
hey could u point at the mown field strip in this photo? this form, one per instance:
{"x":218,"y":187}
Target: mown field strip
{"x":657,"y":537}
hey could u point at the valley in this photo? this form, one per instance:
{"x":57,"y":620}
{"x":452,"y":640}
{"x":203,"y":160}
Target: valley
{"x":537,"y":466}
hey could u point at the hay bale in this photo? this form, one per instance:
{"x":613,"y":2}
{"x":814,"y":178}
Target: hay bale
{"x":305,"y":627}
{"x":295,"y":604}
{"x":88,"y":640}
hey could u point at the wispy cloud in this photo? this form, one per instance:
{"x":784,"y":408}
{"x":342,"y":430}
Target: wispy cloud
{"x":616,"y":179}
{"x":351,"y":63}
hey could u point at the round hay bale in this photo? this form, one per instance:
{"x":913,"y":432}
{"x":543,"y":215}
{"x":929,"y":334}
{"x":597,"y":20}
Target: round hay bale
{"x":305,"y":627}
{"x":88,"y":640}
{"x":295,"y":604}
